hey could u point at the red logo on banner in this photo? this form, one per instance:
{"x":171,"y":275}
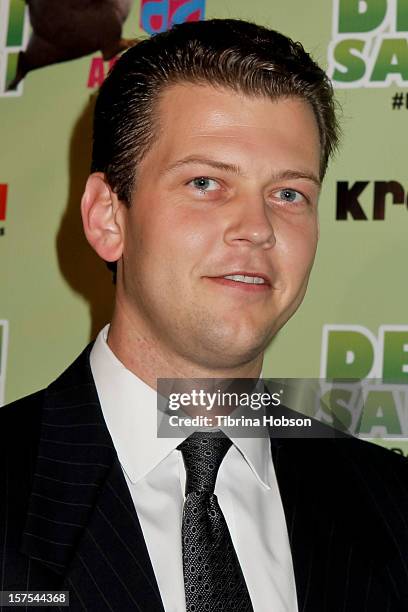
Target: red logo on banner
{"x":98,"y":70}
{"x":3,"y":201}
{"x":159,"y":15}
{"x":155,"y":16}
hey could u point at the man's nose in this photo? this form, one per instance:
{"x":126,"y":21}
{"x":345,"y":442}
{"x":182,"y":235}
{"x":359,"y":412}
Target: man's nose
{"x":250,"y":222}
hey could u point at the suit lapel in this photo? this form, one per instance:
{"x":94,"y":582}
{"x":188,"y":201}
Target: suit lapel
{"x":111,"y":568}
{"x":81,"y":520}
{"x":297,"y":457}
{"x":303,"y":518}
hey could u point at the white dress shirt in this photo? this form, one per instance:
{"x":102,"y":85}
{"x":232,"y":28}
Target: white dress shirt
{"x":246,"y":488}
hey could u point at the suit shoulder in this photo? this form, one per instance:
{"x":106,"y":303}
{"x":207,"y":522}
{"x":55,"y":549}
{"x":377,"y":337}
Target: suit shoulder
{"x":22,"y":406}
{"x":379,"y":478}
{"x":365,"y":453}
{"x":354,"y":472}
{"x":20,"y":419}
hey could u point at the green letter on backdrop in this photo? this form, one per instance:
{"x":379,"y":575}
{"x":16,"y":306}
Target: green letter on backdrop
{"x":356,"y":16}
{"x":395,"y":356}
{"x":350,"y":354}
{"x":353,"y":64}
{"x":379,"y":411}
{"x":392,"y":58}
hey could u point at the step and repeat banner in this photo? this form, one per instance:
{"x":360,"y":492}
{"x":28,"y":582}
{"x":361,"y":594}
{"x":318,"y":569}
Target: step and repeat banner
{"x":54,"y":292}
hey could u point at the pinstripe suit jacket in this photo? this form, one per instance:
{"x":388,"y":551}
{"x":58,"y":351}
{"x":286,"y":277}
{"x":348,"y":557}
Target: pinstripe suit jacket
{"x":67,"y":520}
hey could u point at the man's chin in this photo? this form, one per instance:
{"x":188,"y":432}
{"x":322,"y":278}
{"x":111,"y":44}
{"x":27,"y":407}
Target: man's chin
{"x":232,"y":353}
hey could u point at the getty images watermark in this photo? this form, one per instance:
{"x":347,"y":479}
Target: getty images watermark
{"x":311,"y":408}
{"x":244,"y":407}
{"x":210,"y":404}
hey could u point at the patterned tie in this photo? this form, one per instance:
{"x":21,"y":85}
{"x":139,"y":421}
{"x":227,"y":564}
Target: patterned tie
{"x":213,"y":578}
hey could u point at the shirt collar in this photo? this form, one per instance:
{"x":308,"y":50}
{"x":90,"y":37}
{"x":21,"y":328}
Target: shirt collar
{"x":258,"y":455}
{"x":129,"y":408}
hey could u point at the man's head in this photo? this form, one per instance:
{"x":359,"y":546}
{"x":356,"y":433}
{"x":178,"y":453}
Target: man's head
{"x":210,"y":142}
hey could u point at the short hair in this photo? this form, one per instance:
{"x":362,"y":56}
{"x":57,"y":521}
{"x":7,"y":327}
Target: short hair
{"x":229,"y":53}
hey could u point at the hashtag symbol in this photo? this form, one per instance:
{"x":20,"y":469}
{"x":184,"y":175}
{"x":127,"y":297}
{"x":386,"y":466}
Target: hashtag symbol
{"x":397,"y":101}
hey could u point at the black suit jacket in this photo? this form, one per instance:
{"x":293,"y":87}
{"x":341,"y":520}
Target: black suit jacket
{"x":67,"y":520}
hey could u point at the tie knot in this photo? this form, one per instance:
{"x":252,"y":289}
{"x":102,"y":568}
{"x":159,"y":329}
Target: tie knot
{"x":202,"y":454}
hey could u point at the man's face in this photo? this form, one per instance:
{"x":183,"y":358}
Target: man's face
{"x":229,"y":188}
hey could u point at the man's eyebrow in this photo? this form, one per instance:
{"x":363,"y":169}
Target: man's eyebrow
{"x":297,"y":174}
{"x":234,"y":169}
{"x":206,"y":161}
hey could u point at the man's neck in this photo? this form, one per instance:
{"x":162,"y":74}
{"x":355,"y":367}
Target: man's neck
{"x":150,"y":359}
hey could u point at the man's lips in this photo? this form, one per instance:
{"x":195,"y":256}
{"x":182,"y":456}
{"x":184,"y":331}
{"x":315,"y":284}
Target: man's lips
{"x":241,"y":284}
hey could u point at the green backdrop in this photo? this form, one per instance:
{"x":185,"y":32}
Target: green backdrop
{"x":354,"y":318}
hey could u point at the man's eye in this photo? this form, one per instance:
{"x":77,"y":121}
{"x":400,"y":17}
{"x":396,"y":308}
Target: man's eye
{"x":204,"y":183}
{"x":290,"y":195}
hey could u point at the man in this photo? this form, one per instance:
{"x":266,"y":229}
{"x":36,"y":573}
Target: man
{"x":210,"y":144}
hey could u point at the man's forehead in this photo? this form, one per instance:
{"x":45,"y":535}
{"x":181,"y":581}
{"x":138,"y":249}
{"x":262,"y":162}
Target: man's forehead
{"x":195,"y":121}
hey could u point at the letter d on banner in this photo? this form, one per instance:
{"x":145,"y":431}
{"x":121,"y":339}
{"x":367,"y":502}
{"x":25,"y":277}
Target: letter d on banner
{"x":357,"y":16}
{"x":393,"y":345}
{"x":348,"y":351}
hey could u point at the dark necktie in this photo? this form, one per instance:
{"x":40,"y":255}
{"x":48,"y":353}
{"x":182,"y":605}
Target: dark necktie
{"x":213,"y":578}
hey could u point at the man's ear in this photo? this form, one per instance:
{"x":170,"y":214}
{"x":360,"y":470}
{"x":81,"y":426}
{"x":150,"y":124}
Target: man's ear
{"x":99,"y":209}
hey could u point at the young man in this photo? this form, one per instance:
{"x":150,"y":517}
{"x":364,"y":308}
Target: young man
{"x":210,"y":144}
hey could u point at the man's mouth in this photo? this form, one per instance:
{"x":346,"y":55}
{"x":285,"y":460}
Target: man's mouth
{"x":251,"y":280}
